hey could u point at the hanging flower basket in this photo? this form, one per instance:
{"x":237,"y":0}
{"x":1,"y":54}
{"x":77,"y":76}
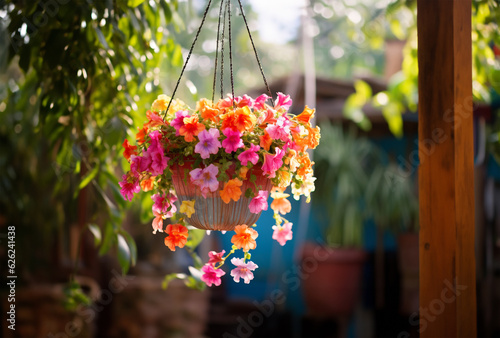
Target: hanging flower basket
{"x":214,"y":166}
{"x":211,"y":212}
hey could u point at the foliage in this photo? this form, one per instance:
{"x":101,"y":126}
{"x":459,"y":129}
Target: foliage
{"x":75,"y":73}
{"x":402,"y":92}
{"x":355,"y":184}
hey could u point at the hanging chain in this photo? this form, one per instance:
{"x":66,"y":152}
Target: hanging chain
{"x":188,"y":57}
{"x":255,"y":50}
{"x":230,"y":50}
{"x":217,"y":50}
{"x":220,"y":41}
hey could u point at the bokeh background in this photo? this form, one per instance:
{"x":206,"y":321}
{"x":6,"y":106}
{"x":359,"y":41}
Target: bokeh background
{"x":76,"y":79}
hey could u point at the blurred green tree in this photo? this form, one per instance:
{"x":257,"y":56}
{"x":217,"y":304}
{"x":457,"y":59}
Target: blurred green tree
{"x":75,"y":80}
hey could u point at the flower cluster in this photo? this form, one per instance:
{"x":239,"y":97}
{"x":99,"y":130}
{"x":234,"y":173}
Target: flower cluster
{"x":224,"y":142}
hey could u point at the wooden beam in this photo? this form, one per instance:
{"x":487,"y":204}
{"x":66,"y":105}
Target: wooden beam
{"x":446,"y":173}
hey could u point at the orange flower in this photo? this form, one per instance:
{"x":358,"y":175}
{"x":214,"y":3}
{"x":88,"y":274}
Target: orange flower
{"x":177,"y":236}
{"x":154,"y":120}
{"x":244,"y":237}
{"x":241,"y":119}
{"x":281,"y":205}
{"x":147,"y":184}
{"x":231,"y":190}
{"x":306,"y":115}
{"x":266,"y":141}
{"x":191,"y":128}
{"x":207,"y":110}
{"x":266,"y":118}
{"x":129,"y":150}
{"x":313,"y":137}
{"x":305,"y":164}
{"x":141,"y":135}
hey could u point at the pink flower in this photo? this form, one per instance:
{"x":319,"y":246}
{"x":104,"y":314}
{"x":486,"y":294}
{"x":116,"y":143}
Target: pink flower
{"x":139,"y":164}
{"x":129,"y":185}
{"x":244,"y":101}
{"x":280,"y":130}
{"x":209,"y":143}
{"x":206,"y":179}
{"x":178,"y":121}
{"x":243,"y":270}
{"x":215,"y":257}
{"x":259,"y":202}
{"x":283,"y":101}
{"x":273,"y":163}
{"x":233,"y":141}
{"x":282,"y":234}
{"x":162,"y":204}
{"x":157,"y":222}
{"x":155,"y":136}
{"x":158,"y":159}
{"x":249,"y":155}
{"x":211,"y":275}
{"x":260,"y":102}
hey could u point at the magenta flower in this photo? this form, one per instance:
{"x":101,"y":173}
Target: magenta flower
{"x":139,"y":164}
{"x":243,"y":270}
{"x":158,"y":159}
{"x":273,"y":163}
{"x":155,"y":136}
{"x":178,"y":121}
{"x":282,"y":234}
{"x":206,"y":179}
{"x":249,"y":155}
{"x":283,"y":101}
{"x":215,"y":257}
{"x":259,"y":202}
{"x":260,"y":102}
{"x":163,"y":203}
{"x":209,"y":143}
{"x":129,"y":186}
{"x":233,"y":141}
{"x":211,"y":275}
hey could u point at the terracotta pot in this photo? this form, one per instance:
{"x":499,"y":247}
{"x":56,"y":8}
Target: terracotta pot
{"x":408,"y":266}
{"x":212,"y":213}
{"x":333,"y":281}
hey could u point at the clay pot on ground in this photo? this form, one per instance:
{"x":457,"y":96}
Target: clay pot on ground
{"x":333,"y":285}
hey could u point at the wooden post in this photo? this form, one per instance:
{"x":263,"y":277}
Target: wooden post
{"x":446,"y":174}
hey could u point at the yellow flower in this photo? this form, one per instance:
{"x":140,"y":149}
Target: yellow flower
{"x":161,"y":103}
{"x":187,"y":207}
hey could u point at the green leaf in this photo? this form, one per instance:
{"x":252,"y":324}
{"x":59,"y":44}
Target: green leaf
{"x":124,"y":255}
{"x":134,"y":3}
{"x":89,"y":177}
{"x":168,"y":278}
{"x":108,"y":239}
{"x":195,"y":238}
{"x":96,"y":232}
{"x":132,"y":246}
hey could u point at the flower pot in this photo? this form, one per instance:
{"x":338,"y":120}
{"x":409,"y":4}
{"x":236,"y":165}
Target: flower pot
{"x":332,"y":285}
{"x":408,"y":266}
{"x":211,"y":212}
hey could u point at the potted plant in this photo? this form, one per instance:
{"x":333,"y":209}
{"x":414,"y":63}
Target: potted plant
{"x":393,"y":206}
{"x":343,"y":167}
{"x":213,"y":168}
